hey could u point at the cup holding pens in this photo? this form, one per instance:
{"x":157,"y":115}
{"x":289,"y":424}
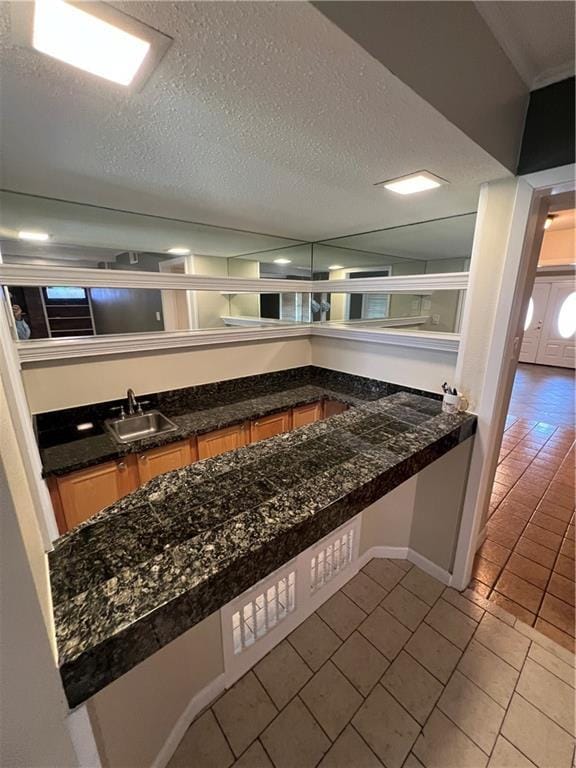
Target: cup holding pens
{"x":453,"y":403}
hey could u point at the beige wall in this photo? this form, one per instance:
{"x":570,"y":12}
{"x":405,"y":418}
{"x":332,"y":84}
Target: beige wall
{"x":50,"y":386}
{"x":133,"y":717}
{"x":421,"y":368}
{"x":558,"y":247}
{"x":32,"y":706}
{"x":387,"y":522}
{"x":438,"y":506}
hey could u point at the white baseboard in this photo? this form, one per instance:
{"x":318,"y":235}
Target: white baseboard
{"x":202,"y":699}
{"x":405,"y":553}
{"x":481,"y":537}
{"x":82,"y":737}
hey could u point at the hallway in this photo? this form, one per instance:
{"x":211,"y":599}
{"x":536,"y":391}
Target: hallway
{"x":526,"y":563}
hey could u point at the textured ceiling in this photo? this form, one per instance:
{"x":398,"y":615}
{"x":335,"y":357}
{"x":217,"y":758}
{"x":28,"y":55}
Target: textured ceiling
{"x":537,"y":36}
{"x":262,"y":116}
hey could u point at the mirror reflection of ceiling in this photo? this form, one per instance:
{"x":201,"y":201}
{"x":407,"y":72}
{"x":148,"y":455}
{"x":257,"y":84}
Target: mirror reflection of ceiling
{"x":73,"y":224}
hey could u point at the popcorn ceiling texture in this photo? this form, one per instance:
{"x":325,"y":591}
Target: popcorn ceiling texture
{"x":261,"y":116}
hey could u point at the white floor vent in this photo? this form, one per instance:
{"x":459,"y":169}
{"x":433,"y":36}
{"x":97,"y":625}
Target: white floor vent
{"x":331,"y":560}
{"x":256,"y":621}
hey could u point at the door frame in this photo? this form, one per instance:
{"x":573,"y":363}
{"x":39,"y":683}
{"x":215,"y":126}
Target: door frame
{"x":526,"y":231}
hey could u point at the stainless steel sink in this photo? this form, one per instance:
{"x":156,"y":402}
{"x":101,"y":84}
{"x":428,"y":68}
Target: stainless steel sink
{"x":139,"y":426}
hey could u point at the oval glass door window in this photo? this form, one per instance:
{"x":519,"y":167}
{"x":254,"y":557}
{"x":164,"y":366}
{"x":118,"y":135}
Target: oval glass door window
{"x":529,"y":314}
{"x":567,"y":316}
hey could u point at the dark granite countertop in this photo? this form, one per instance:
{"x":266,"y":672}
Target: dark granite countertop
{"x":145,"y":570}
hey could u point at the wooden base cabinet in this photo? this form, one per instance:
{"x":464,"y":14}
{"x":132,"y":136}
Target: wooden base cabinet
{"x":157,"y":461}
{"x":222,"y":440}
{"x":79,"y":495}
{"x":306,"y":414}
{"x":268,"y":426}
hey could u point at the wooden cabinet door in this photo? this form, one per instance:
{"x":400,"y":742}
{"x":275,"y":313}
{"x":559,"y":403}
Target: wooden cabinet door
{"x":333,"y":408}
{"x":306,"y":414}
{"x":159,"y":460}
{"x":222,"y":440}
{"x":87,"y":491}
{"x":268,"y":426}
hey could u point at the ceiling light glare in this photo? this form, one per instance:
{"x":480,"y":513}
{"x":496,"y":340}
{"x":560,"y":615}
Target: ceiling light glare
{"x":415,"y":182}
{"x":548,"y":222}
{"x":65,"y":32}
{"x":282,"y":261}
{"x":335,"y":266}
{"x":178,"y":251}
{"x":39,"y":237}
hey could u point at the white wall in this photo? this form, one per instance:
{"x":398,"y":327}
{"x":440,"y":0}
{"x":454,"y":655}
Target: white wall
{"x":420,"y":368}
{"x":50,"y":386}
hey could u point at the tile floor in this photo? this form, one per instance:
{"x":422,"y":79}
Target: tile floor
{"x":396,"y":670}
{"x":526,"y":563}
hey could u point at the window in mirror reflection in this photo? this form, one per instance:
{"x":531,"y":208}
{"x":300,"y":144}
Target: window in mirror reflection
{"x":436,"y":311}
{"x":74,"y":311}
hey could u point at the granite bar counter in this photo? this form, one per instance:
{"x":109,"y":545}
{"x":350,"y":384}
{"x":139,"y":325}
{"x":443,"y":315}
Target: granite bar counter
{"x":143,"y":571}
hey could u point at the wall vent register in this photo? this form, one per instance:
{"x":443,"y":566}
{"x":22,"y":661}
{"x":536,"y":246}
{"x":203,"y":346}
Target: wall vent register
{"x":264,"y":612}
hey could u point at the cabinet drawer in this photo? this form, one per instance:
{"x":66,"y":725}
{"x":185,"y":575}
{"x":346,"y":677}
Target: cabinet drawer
{"x":83,"y":493}
{"x":306,"y":414}
{"x":268,"y":426}
{"x":222,"y":440}
{"x":164,"y":459}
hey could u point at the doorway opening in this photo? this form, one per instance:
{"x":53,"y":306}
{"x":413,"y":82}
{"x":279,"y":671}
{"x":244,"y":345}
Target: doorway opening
{"x":526,"y":561}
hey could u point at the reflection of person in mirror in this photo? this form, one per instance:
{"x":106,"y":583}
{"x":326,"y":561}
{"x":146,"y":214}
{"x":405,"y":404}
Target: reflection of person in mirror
{"x":22,"y":327}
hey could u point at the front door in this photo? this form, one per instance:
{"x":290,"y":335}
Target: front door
{"x":534,"y":322}
{"x":556,"y":345}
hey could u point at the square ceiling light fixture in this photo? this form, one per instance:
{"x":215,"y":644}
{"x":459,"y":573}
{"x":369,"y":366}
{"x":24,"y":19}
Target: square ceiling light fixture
{"x":91,"y":36}
{"x":414,"y":182}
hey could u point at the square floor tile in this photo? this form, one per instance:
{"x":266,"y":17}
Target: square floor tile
{"x":536,"y":736}
{"x":341,"y":614}
{"x":553,"y":663}
{"x":413,"y":686}
{"x":542,"y":536}
{"x":331,"y":698}
{"x":364,"y":591}
{"x":472,"y":710}
{"x":562,"y":588}
{"x":458,"y":600}
{"x":503,"y":640}
{"x":384,"y":572}
{"x":387,"y":728}
{"x":282,"y":673}
{"x":568,"y":548}
{"x":350,"y":751}
{"x":385,"y":633}
{"x":361,"y":662}
{"x":549,"y":523}
{"x":485,"y":571}
{"x":434,"y":652}
{"x":534,"y":551}
{"x":254,"y":757}
{"x":203,"y":744}
{"x":489,"y":672}
{"x":443,"y":745}
{"x":556,"y":635}
{"x":243,"y":712}
{"x":406,"y":607}
{"x":494,"y":552}
{"x":423,"y":586}
{"x":505,"y":755}
{"x":528,"y":570}
{"x":558,"y":613}
{"x":520,"y":591}
{"x":294,"y":739}
{"x":314,"y":641}
{"x":565,"y":567}
{"x":412,"y":762}
{"x":452,"y":623}
{"x":548,"y":693}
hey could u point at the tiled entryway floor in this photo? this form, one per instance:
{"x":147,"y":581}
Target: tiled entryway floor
{"x":526,"y":563}
{"x":395,"y":670}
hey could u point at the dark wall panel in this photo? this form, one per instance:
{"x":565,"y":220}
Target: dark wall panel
{"x":548,"y":140}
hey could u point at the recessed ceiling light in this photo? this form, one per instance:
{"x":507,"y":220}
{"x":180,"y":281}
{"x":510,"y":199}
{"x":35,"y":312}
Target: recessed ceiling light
{"x":39,"y":237}
{"x":92,"y":36}
{"x":335,"y":266}
{"x":178,"y":251}
{"x":282,"y":261}
{"x":414,"y":182}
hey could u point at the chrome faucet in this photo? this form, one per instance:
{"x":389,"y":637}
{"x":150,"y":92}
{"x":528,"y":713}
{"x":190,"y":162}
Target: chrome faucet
{"x":133,"y":405}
